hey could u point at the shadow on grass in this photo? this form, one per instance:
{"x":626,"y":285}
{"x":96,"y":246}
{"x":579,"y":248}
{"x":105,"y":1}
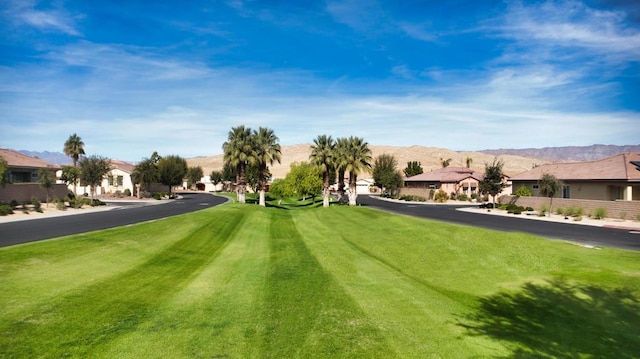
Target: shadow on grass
{"x":561,"y":320}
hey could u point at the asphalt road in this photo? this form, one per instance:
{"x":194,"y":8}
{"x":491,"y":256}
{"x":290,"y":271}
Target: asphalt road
{"x":12,"y":233}
{"x":588,"y":235}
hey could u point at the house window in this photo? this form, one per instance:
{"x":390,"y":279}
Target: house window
{"x":566,"y":191}
{"x":535,"y":186}
{"x":120,"y":180}
{"x":110,"y":180}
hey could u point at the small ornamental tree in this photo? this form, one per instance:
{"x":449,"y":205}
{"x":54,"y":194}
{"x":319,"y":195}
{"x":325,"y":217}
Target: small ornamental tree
{"x":194,"y":175}
{"x":305,"y":180}
{"x":216,"y":177}
{"x":172,"y":170}
{"x":93,"y":169}
{"x":549,"y":187}
{"x":493,"y":181}
{"x":46,"y":179}
{"x":385,"y":174}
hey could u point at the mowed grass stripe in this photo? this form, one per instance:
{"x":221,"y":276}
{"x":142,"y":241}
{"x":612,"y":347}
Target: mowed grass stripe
{"x":72,"y":324}
{"x":218,"y":314}
{"x":414,"y":315}
{"x":306,"y":313}
{"x":54,"y":267}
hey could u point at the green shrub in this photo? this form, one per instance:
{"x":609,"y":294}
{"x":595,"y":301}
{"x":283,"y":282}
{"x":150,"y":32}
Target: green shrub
{"x":37,"y":205}
{"x":560,"y":211}
{"x":412,"y":198}
{"x":599,"y":213}
{"x":474,"y":196}
{"x":529,"y":209}
{"x":96,"y":202}
{"x":5,"y":209}
{"x":127,"y":192}
{"x":453,"y":196}
{"x":441,"y":196}
{"x":577,"y":218}
{"x":522,"y":191}
{"x":463,"y":197}
{"x":59,"y":204}
{"x":543,"y":210}
{"x":14,"y":204}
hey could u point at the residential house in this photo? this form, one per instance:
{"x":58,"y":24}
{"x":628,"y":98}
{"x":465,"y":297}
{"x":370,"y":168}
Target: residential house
{"x":609,"y":179}
{"x":22,"y":176}
{"x":458,"y":180}
{"x":118,"y":180}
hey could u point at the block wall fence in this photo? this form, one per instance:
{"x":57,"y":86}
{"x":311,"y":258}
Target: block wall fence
{"x":615,"y":209}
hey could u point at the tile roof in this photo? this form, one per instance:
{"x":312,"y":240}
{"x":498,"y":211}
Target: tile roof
{"x":17,"y":159}
{"x":123,"y":166}
{"x":618,"y":167}
{"x":446,"y":175}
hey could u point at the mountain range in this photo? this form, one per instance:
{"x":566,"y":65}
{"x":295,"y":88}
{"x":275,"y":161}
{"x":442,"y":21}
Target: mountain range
{"x":515,"y":160}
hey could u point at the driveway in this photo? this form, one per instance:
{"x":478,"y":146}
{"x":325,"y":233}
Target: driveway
{"x":574,"y":232}
{"x":122,"y":214}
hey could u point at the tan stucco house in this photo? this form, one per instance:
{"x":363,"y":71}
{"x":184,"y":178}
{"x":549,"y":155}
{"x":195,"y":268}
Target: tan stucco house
{"x":609,"y":179}
{"x":22,"y":176}
{"x":456,"y":180}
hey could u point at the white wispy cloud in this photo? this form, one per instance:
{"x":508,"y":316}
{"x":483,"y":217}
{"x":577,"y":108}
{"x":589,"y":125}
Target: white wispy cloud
{"x":23,"y":12}
{"x":575,"y":26}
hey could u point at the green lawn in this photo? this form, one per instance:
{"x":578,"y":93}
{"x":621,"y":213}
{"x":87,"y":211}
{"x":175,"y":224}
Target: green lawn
{"x":244,"y":281}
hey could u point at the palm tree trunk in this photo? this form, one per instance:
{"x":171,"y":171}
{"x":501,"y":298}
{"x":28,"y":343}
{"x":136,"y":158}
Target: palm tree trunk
{"x":325,"y":189}
{"x":352,"y":189}
{"x":262,"y":195}
{"x":241,"y":190}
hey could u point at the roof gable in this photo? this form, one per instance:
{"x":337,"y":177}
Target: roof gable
{"x":18,"y":160}
{"x":446,"y":175}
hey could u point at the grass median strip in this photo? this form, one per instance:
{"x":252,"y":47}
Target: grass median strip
{"x":243,"y":281}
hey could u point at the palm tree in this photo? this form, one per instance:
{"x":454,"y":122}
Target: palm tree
{"x":74,"y":148}
{"x":267,"y":151}
{"x":549,"y":186}
{"x":445,"y":163}
{"x":356,"y":160}
{"x":239,"y":152}
{"x":469,"y":161}
{"x":339,"y":159}
{"x":322,"y":155}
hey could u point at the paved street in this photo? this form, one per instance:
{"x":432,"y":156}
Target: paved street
{"x":12,"y":233}
{"x":574,"y":232}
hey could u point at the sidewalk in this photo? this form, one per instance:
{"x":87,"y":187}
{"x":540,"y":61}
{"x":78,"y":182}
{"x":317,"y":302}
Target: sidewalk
{"x":51,"y":211}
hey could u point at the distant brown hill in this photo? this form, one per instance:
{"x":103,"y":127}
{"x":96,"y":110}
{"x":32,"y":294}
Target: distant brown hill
{"x":429,"y":157}
{"x":569,"y":153}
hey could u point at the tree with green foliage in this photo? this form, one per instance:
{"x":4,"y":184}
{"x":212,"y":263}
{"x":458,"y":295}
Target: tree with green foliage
{"x":146,"y":172}
{"x":304,"y":179}
{"x":239,"y":152}
{"x":322,"y":155}
{"x":385,"y":174}
{"x":267,"y":152}
{"x":413,"y":168}
{"x":280,"y":189}
{"x":46,"y":180}
{"x":74,"y":148}
{"x":445,"y":163}
{"x":215,"y":177}
{"x":522,"y":191}
{"x":70,"y":174}
{"x":172,"y":170}
{"x":229,"y":176}
{"x":355,"y":159}
{"x":493,"y":181}
{"x":93,"y":170}
{"x":4,"y":169}
{"x":194,"y":175}
{"x":549,"y":186}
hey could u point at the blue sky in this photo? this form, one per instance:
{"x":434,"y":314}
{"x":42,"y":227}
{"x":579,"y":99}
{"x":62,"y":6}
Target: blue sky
{"x":133,"y":77}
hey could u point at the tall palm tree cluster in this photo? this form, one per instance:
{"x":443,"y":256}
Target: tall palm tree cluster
{"x":245,"y":147}
{"x":343,"y":156}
